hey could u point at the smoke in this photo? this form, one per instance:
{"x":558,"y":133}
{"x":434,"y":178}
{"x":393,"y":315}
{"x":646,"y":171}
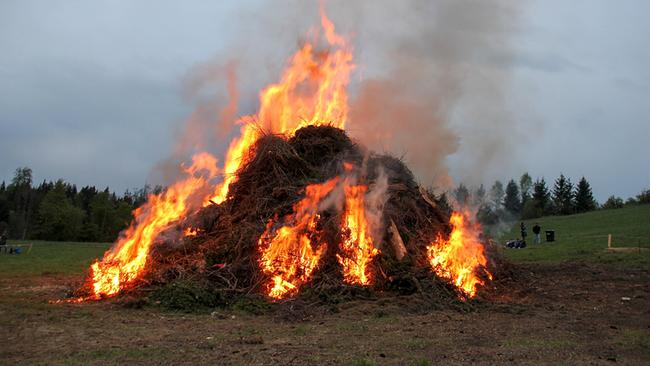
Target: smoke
{"x":385,"y":118}
{"x":430,"y":87}
{"x":212,"y":88}
{"x":375,"y":202}
{"x":435,"y":85}
{"x":374,"y":198}
{"x":217,"y":112}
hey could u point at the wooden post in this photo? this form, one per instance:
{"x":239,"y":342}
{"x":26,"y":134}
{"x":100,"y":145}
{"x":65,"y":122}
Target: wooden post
{"x":609,"y":241}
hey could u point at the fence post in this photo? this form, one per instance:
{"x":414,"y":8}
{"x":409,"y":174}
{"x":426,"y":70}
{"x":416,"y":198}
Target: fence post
{"x":609,"y":241}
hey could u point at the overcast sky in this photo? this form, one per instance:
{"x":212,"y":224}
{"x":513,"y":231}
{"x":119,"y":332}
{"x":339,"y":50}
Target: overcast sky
{"x":92,"y":92}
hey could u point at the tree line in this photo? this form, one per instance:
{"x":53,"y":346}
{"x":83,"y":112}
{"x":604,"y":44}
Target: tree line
{"x":528,"y":199}
{"x":60,"y":211}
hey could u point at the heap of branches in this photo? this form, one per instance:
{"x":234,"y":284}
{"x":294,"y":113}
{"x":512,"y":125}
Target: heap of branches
{"x":224,"y":256}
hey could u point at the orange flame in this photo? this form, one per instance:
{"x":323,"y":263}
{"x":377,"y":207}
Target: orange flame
{"x":312,"y":91}
{"x":126,"y":261}
{"x":458,"y":258}
{"x":235,"y":159}
{"x":357,"y":247}
{"x":288,"y":254}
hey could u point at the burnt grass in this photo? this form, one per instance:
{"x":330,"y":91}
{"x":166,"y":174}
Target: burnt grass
{"x":219,"y":267}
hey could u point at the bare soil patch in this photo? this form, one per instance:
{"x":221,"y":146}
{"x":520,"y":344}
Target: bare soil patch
{"x":570,"y":313}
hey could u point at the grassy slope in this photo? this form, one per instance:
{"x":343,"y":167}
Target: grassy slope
{"x":584,"y":237}
{"x":52,"y":257}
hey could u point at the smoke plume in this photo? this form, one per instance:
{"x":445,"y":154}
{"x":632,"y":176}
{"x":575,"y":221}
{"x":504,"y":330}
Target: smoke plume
{"x":435,"y":85}
{"x":430,"y":85}
{"x":212,"y":88}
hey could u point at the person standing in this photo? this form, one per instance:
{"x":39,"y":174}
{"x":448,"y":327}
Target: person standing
{"x":3,"y":241}
{"x":523,"y":232}
{"x":537,"y":230}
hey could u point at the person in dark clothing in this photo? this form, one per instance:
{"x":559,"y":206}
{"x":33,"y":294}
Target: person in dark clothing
{"x":523,"y":232}
{"x":537,"y":230}
{"x":3,"y":241}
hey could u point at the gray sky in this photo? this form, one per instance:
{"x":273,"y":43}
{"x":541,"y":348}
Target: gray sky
{"x":92,"y":92}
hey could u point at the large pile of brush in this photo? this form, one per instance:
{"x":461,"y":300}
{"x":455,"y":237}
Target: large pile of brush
{"x":221,"y":263}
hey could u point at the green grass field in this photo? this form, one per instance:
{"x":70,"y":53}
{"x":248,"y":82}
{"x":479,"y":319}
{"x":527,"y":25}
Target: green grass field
{"x":51,"y":257}
{"x":584,"y":237}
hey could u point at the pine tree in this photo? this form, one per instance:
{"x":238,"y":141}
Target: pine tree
{"x":563,"y":196}
{"x":541,"y":197}
{"x":487,"y":216}
{"x":496,"y":195}
{"x":584,"y":199}
{"x":4,"y":208}
{"x":512,"y":202}
{"x":19,"y":195}
{"x":443,"y":203}
{"x":525,"y":186}
{"x":479,"y":196}
{"x":85,"y":196}
{"x":461,"y":194}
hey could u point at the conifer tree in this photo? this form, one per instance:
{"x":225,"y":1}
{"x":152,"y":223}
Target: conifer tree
{"x":461,"y":194}
{"x":525,"y":187}
{"x":479,"y":196}
{"x":20,"y":197}
{"x":496,"y":195}
{"x":541,"y":197}
{"x":4,"y":208}
{"x":563,"y":196}
{"x":584,"y":199}
{"x":512,"y":202}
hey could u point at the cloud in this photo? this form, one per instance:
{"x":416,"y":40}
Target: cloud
{"x":86,"y":126}
{"x":108,"y":79}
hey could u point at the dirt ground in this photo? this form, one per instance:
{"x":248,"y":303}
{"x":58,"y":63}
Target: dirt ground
{"x":564,"y":314}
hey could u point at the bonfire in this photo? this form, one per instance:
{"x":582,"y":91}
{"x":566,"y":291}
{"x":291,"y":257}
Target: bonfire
{"x":297,"y":208}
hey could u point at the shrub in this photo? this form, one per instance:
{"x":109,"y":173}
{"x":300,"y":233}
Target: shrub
{"x":613,"y":202}
{"x":643,"y":198}
{"x":531,"y":211}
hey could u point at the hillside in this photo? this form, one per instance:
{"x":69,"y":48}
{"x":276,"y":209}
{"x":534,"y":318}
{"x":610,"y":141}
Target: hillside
{"x":584,"y":237}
